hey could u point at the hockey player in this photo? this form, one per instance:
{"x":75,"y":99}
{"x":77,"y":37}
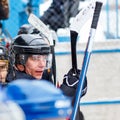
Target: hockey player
{"x":50,"y":73}
{"x":31,"y":58}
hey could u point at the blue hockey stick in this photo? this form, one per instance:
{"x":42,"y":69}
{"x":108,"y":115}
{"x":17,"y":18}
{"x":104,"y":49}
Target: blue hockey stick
{"x":86,"y":59}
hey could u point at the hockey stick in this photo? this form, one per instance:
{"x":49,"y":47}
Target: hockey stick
{"x":38,"y":24}
{"x":86,"y":59}
{"x":82,"y":17}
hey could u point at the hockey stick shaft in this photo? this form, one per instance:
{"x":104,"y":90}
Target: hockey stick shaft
{"x":86,"y":59}
{"x":73,"y":36}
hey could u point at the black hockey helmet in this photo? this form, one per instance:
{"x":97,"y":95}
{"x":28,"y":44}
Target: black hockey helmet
{"x":29,"y":44}
{"x":29,"y":29}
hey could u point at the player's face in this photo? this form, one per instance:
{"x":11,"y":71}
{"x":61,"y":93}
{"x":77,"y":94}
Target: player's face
{"x":3,"y":70}
{"x":35,"y":65}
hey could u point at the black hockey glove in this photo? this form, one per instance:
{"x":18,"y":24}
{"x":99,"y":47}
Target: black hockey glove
{"x":71,"y":79}
{"x":70,"y":83}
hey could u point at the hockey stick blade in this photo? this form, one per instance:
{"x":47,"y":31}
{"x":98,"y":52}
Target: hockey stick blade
{"x":86,"y":59}
{"x":83,"y":16}
{"x":38,"y":24}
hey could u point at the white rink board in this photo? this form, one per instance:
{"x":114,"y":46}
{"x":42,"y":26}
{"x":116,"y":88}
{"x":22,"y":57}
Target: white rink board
{"x":103,"y":77}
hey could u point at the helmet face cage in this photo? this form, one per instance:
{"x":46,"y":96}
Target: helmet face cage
{"x":22,"y":59}
{"x":21,"y":54}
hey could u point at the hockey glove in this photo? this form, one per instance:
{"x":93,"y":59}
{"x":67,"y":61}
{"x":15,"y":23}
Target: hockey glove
{"x":71,"y":82}
{"x":71,"y":79}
